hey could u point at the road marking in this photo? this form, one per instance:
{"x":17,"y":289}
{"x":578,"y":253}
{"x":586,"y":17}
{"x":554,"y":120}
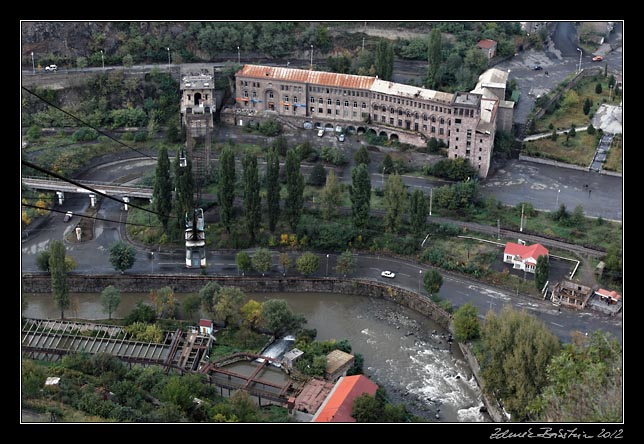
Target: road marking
{"x":558,"y":325}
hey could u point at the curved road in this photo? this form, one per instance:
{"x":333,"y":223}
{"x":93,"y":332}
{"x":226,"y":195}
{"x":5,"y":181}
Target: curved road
{"x":92,"y":258}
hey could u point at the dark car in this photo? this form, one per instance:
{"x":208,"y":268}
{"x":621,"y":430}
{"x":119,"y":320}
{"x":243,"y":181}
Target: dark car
{"x":537,"y":68}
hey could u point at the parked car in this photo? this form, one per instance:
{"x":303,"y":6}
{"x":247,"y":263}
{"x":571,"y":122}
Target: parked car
{"x":537,"y":68}
{"x":598,"y":58}
{"x":321,"y":132}
{"x":341,"y":138}
{"x":68,"y":216}
{"x":388,"y":274}
{"x":51,"y":68}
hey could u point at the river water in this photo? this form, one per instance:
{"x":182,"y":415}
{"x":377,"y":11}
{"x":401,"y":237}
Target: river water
{"x":403,"y":351}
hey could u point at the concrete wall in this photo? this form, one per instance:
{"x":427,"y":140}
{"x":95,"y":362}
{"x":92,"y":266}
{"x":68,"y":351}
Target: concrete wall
{"x":41,"y":283}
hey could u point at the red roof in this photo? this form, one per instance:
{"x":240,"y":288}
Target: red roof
{"x":525,"y":251}
{"x":609,"y":294}
{"x":205,"y":323}
{"x":338,"y":407}
{"x":486,"y":43}
{"x":306,"y":76}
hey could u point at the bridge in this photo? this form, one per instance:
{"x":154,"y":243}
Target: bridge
{"x":102,"y":187}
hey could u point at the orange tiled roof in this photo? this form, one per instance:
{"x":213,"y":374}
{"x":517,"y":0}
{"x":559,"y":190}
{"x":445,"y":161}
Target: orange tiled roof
{"x":525,"y":251}
{"x":486,"y":43}
{"x":609,"y":294}
{"x":339,"y":405}
{"x":306,"y":76}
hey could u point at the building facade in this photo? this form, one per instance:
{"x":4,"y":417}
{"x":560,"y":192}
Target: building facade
{"x":464,"y":121}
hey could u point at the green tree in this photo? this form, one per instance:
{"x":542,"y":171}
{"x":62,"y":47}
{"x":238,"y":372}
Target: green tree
{"x":208,"y":295}
{"x":466,"y":323}
{"x":110,"y":298}
{"x":541,"y":272}
{"x":294,"y":203}
{"x":366,"y":408}
{"x":330,"y":196}
{"x":228,"y":304}
{"x":598,"y":88}
{"x":577,"y":218}
{"x":252,"y":199}
{"x":185,"y":188}
{"x":584,"y":382}
{"x":165,"y":303}
{"x":122,"y":256}
{"x":190,"y":305}
{"x":226,"y":186}
{"x":273,"y":188}
{"x":42,"y":260}
{"x":360,"y":193}
{"x":346,"y":263}
{"x":516,"y":349}
{"x":244,"y":407}
{"x":162,"y":193}
{"x":251,"y":313}
{"x":384,"y":59}
{"x":433,"y":281}
{"x":243,"y":261}
{"x":307,"y":263}
{"x":362,"y":156}
{"x":434,"y":58}
{"x":395,"y":194}
{"x":418,"y":211}
{"x":317,"y":177}
{"x":262,"y":261}
{"x":387,"y":165}
{"x":278,"y":318}
{"x":59,"y":284}
{"x":587,"y":104}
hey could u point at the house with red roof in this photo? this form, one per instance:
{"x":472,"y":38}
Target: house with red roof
{"x":523,"y":257}
{"x":488,"y":46}
{"x":610,"y":297}
{"x":205,"y":326}
{"x":338,"y":406}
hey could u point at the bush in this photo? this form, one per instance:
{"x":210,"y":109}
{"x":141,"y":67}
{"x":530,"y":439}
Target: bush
{"x":84,"y":135}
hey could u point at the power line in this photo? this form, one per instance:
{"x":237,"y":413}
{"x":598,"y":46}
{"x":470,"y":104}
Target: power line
{"x":90,"y":217}
{"x":85,"y":123}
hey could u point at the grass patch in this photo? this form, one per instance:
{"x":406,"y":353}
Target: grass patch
{"x":578,"y":150}
{"x":230,"y":341}
{"x":614,"y":159}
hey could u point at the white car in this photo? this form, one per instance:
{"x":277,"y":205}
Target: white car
{"x":51,"y":68}
{"x":388,"y":274}
{"x":320,"y":132}
{"x":68,"y":216}
{"x":341,"y":138}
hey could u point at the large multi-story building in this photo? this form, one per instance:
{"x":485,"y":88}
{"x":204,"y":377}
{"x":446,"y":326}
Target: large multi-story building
{"x":464,"y":121}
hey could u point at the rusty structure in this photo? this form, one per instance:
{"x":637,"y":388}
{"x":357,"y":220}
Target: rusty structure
{"x":571,"y":294}
{"x":198,"y":104}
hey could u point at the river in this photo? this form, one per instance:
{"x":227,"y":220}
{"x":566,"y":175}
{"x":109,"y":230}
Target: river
{"x":403,"y":351}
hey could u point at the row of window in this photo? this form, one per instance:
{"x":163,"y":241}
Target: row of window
{"x":344,"y":92}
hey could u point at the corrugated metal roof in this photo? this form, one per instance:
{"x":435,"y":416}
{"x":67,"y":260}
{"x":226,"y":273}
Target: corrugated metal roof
{"x":306,"y":76}
{"x":412,"y":92}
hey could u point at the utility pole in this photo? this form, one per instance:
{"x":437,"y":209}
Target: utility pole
{"x":311,"y":57}
{"x":430,"y":201}
{"x":521,"y":228}
{"x":498,"y":229}
{"x":580,"y":53}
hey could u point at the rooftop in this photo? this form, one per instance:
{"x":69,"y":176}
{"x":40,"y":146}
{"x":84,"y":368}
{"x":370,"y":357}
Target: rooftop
{"x":467,"y":99}
{"x":412,"y":92}
{"x":306,"y":76}
{"x":339,"y":405}
{"x":486,"y":43}
{"x":336,"y":359}
{"x":525,"y":251}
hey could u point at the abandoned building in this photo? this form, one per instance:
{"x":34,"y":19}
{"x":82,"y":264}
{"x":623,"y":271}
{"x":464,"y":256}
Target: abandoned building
{"x":465,"y":122}
{"x":571,"y":294}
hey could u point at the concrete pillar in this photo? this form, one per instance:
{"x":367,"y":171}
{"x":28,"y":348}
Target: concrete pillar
{"x":92,"y":200}
{"x":61,"y":197}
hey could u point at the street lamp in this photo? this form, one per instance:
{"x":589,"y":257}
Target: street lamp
{"x":580,"y":53}
{"x":33,"y":65}
{"x":420,"y":272}
{"x":430,"y":201}
{"x":238,"y":56}
{"x":311,"y":57}
{"x":558,"y":191}
{"x":168,"y":48}
{"x":327,"y":264}
{"x":152,"y":262}
{"x":102,"y":59}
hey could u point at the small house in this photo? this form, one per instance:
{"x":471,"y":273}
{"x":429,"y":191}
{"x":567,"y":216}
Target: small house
{"x":523,"y":257}
{"x":488,"y":46}
{"x":206,"y":326}
{"x":337,"y":364}
{"x":607,"y":296}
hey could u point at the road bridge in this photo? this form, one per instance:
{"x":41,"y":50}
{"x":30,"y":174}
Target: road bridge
{"x":102,"y":187}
